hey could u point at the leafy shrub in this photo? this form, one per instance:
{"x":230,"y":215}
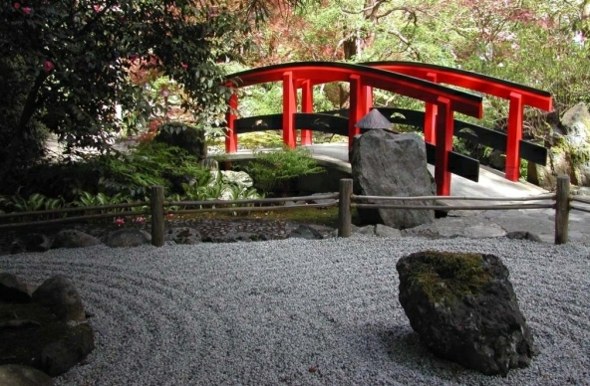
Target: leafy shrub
{"x":151,"y":164}
{"x":276,"y":170}
{"x":183,"y":136}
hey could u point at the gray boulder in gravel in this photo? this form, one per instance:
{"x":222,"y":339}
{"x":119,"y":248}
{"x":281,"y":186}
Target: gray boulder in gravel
{"x":464,"y":309}
{"x":17,"y":375}
{"x":72,"y":238}
{"x":388,"y":164}
{"x":31,"y":242}
{"x":12,"y":289}
{"x":128,"y":237}
{"x":61,"y":297}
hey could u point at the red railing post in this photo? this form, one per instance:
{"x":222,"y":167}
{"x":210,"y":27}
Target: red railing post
{"x":355,"y":112}
{"x":444,"y":145}
{"x":231,"y":136}
{"x":514,"y":135}
{"x":430,"y":115}
{"x":307,"y":107}
{"x":289,"y":107}
{"x":367,"y":92}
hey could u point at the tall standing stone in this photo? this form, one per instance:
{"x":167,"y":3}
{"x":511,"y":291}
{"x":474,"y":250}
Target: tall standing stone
{"x":388,"y":164}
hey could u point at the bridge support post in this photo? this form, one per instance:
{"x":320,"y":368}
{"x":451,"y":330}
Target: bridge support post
{"x":307,"y":107}
{"x":444,"y":146}
{"x":289,"y":107}
{"x":231,"y":136}
{"x":356,"y":110}
{"x":515,"y":116}
{"x":430,"y":115}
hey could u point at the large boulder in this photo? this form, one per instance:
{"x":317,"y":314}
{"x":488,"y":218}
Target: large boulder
{"x":17,"y":375}
{"x":31,"y":242}
{"x":388,"y":164}
{"x":128,"y":237}
{"x":72,"y":238}
{"x":13,"y":289}
{"x":49,"y":333}
{"x":464,"y":308}
{"x":61,"y":297}
{"x":569,"y":152}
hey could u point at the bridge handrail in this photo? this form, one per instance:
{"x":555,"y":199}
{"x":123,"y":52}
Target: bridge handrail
{"x":470,"y":80}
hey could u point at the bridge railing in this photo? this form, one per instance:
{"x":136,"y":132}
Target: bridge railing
{"x":561,"y":201}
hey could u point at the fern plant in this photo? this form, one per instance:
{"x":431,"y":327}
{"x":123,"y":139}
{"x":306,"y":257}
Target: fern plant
{"x":276,"y":170}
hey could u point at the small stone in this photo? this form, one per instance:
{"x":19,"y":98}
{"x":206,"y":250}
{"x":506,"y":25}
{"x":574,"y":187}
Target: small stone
{"x":523,"y":235}
{"x":385,"y":231}
{"x":368,"y":230}
{"x":306,"y":232}
{"x":184,"y":235}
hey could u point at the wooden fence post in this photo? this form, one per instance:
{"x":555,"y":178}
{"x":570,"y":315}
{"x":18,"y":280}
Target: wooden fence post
{"x":562,"y":209}
{"x":157,"y":210}
{"x":344,"y":209}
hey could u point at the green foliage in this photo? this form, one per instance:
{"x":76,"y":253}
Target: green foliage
{"x":272,"y":170}
{"x":264,"y":139}
{"x":183,"y":136}
{"x":150,"y":164}
{"x":34,"y":202}
{"x":87,"y":199}
{"x":68,"y":67}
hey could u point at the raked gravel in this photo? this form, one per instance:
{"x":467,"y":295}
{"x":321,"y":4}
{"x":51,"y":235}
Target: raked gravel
{"x":301,"y":312}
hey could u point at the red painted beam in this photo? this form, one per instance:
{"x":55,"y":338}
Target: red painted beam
{"x":514,"y":135}
{"x":289,"y":109}
{"x":430,"y":111}
{"x":325,"y":72}
{"x":306,"y":107}
{"x":470,"y":80}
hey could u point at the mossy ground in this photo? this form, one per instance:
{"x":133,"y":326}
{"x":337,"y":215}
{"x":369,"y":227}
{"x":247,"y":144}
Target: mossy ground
{"x":319,"y":216}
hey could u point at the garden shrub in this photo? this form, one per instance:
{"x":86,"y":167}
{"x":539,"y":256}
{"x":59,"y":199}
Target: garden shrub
{"x":275,"y":171}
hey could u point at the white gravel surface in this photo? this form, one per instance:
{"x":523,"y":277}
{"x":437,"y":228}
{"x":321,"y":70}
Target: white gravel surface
{"x":301,"y":312}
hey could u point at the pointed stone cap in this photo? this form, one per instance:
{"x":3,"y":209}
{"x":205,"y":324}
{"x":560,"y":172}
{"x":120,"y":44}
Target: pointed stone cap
{"x":374,"y":120}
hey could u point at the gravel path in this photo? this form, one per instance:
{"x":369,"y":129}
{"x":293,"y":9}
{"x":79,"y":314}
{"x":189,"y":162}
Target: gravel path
{"x":301,"y":312}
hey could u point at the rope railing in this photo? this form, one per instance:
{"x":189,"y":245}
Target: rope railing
{"x":561,"y":205}
{"x":344,"y":199}
{"x":73,"y":210}
{"x":584,"y":201}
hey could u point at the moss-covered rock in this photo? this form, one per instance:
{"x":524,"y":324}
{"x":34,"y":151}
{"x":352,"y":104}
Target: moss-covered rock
{"x":464,"y":308}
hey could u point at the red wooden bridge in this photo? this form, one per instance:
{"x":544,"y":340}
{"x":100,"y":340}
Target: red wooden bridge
{"x":416,"y":80}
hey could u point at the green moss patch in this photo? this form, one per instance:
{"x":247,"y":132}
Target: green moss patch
{"x":447,"y":276}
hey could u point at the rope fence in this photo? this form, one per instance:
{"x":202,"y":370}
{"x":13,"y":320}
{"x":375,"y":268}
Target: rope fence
{"x":157,"y":208}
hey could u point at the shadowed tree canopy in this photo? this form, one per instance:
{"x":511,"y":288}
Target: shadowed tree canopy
{"x":66,"y":65}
